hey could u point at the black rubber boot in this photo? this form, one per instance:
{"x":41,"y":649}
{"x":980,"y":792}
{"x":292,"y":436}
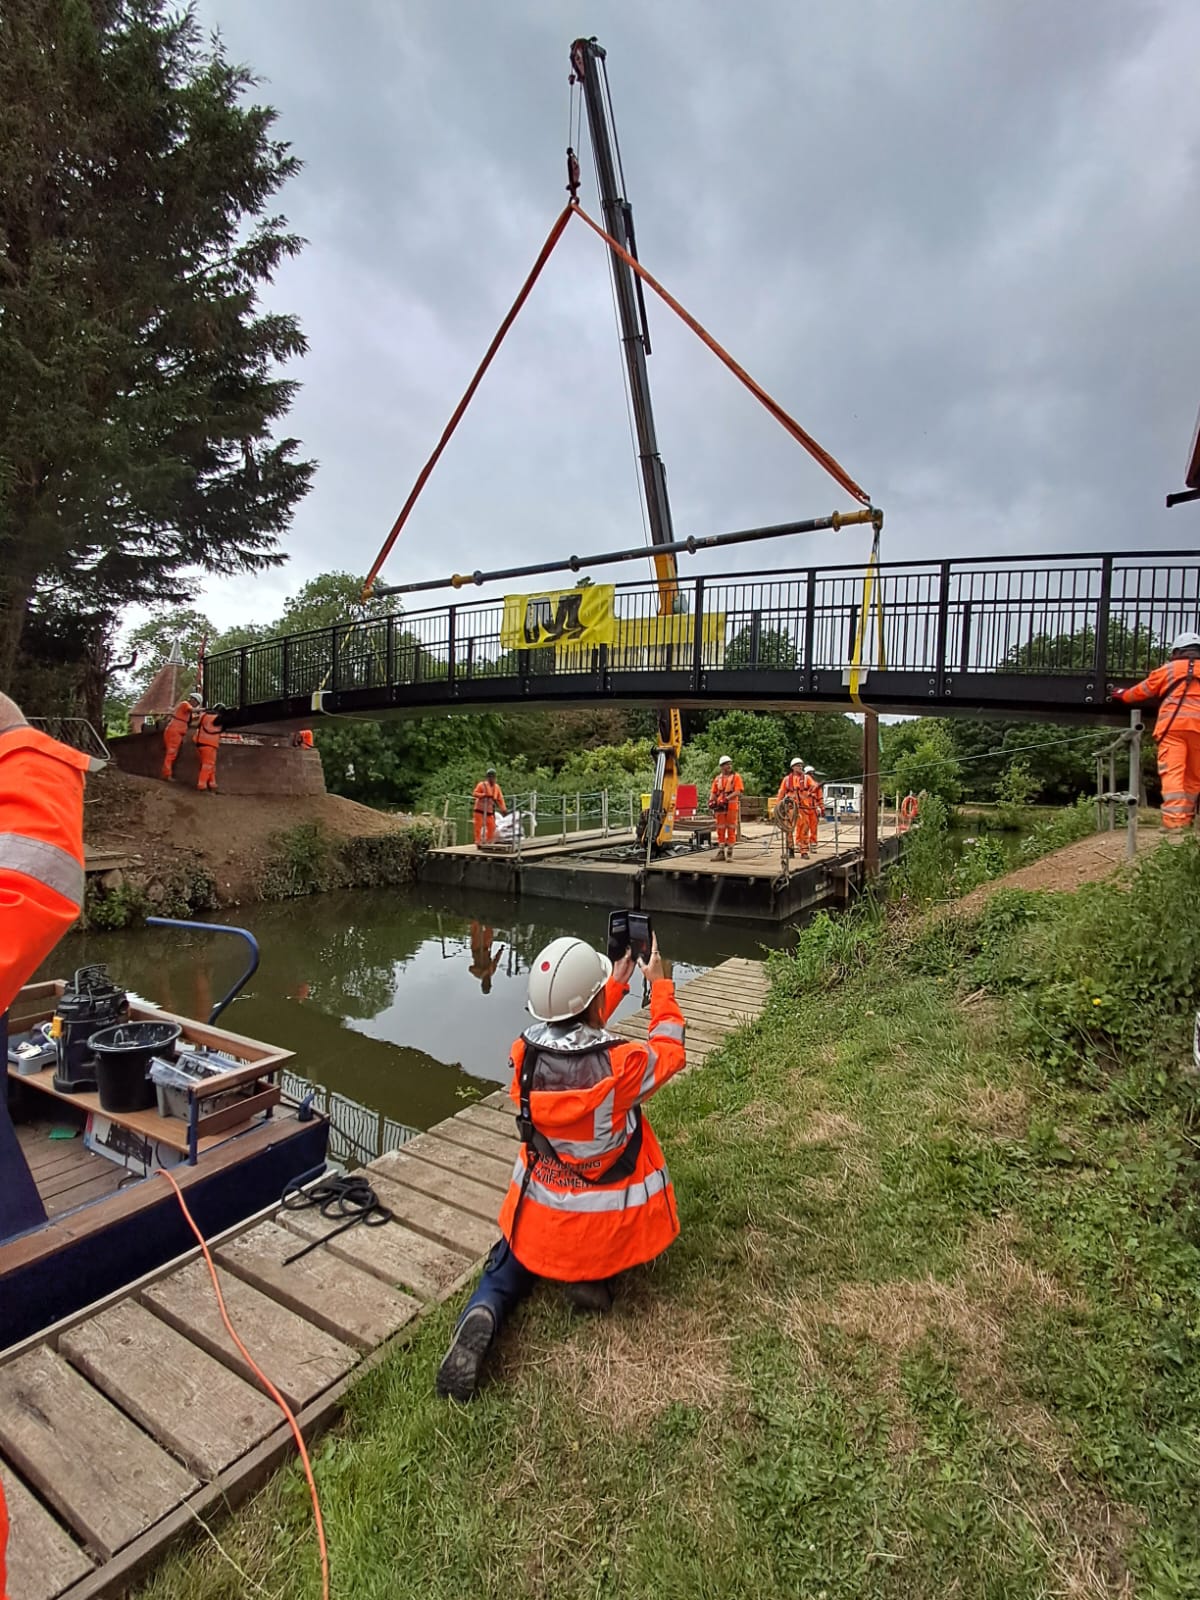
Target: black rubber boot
{"x":458,"y":1375}
{"x":596,"y":1296}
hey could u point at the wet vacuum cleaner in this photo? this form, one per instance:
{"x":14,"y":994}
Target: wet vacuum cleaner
{"x":90,"y":1001}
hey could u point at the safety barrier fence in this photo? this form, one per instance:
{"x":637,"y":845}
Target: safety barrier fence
{"x":544,"y":817}
{"x":357,"y":1134}
{"x":1096,"y":617}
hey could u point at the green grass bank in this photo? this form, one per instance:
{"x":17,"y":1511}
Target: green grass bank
{"x":932,"y":1327}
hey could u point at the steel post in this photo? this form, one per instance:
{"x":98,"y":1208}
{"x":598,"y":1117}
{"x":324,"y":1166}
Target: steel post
{"x":870,"y":829}
{"x":1135,"y":775}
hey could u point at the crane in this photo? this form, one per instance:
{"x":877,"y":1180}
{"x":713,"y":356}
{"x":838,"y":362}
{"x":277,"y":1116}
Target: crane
{"x":589,"y":72}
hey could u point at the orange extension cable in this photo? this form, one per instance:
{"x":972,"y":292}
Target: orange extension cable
{"x":789,"y":423}
{"x":263,"y":1379}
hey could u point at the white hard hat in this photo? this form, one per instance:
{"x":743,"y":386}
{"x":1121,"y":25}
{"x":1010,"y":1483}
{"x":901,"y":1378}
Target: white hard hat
{"x":796,"y":761}
{"x":1187,"y":641}
{"x":810,"y":769}
{"x":566,"y":977}
{"x":723,"y":759}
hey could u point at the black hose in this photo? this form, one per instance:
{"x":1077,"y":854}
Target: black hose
{"x":348,"y":1199}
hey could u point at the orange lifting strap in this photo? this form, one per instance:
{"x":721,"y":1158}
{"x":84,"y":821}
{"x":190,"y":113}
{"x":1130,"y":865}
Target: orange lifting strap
{"x":820,"y":455}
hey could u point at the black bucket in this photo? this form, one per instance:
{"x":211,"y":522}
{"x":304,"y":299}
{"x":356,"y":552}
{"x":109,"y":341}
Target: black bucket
{"x":123,"y":1056}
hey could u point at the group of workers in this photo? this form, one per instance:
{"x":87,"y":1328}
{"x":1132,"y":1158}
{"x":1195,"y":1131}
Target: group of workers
{"x":187,"y":716}
{"x":805,"y":804}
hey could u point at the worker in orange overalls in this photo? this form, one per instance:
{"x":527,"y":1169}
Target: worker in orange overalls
{"x":1176,"y":686}
{"x":303,"y":738}
{"x":590,"y":1194}
{"x":793,"y":787}
{"x":207,"y":739}
{"x":175,"y":733}
{"x":41,"y":846}
{"x":41,"y":874}
{"x":812,"y":806}
{"x":489,"y":798}
{"x":725,"y":806}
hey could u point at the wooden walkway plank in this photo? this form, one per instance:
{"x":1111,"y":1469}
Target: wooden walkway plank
{"x":187,"y":1401}
{"x":446,"y":1225}
{"x":100,"y":1472}
{"x":495,"y":1171}
{"x":353,"y":1306}
{"x":393,"y":1254}
{"x":470,"y":1136}
{"x":498,"y":1101}
{"x":42,"y":1559}
{"x":498,"y":1122}
{"x":299,"y":1359}
{"x":455,"y":1188}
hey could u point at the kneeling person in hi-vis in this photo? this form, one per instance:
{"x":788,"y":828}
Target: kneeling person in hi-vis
{"x":590,"y":1194}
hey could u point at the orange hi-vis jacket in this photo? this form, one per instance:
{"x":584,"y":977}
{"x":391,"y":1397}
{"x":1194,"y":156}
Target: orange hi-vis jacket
{"x":181,"y":720}
{"x":208,"y":735}
{"x":488,"y":796}
{"x":588,"y":1085}
{"x":1176,"y":684}
{"x":813,"y":796}
{"x":41,"y":850}
{"x":725,"y":791}
{"x":792,"y":785}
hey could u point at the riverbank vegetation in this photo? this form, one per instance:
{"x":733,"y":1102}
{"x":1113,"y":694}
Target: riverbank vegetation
{"x":932,"y":1325}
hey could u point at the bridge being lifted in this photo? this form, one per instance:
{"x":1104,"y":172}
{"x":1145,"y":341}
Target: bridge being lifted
{"x":1001,"y":636}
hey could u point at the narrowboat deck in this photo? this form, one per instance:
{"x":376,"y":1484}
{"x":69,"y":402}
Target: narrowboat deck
{"x":64,"y":1171}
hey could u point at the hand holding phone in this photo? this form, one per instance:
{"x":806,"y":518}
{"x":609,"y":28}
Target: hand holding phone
{"x":651,"y":964}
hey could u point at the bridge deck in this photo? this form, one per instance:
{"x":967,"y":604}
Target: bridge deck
{"x":1006,"y":636}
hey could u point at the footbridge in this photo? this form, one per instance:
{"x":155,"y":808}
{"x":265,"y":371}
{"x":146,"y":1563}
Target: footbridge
{"x":1005,"y":636}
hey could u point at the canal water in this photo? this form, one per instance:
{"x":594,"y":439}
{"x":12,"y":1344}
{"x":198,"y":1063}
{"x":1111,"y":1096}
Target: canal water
{"x":404,"y":1001}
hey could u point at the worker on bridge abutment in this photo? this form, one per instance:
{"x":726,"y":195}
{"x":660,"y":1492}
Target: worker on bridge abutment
{"x":489,"y":798}
{"x":590,"y":1195}
{"x":175,"y":733}
{"x":726,"y":807}
{"x":1176,"y":686}
{"x":207,"y":740}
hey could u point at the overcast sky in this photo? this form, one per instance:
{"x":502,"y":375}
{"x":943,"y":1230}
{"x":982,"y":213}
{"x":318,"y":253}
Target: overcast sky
{"x":957,"y":241}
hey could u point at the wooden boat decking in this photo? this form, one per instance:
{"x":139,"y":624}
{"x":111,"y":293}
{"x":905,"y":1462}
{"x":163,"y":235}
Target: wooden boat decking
{"x":65,"y":1173}
{"x":128,"y":1422}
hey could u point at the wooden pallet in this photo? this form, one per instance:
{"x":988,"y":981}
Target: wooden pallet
{"x":124,"y":1424}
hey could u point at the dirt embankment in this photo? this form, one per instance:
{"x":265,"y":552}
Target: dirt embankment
{"x":1085,"y":861}
{"x":163,"y":827}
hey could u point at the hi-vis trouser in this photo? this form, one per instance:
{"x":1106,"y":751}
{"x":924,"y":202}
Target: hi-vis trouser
{"x":1179,"y":772}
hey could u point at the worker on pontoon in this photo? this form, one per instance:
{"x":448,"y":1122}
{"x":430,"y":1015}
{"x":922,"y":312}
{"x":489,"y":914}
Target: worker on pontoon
{"x":489,"y":798}
{"x":812,"y":807}
{"x":176,"y":732}
{"x":590,"y":1195}
{"x":792,"y":790}
{"x":207,"y":739}
{"x":726,"y":807}
{"x":303,"y":739}
{"x":1176,"y":686}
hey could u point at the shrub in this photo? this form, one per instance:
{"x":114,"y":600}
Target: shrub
{"x":1064,"y":827}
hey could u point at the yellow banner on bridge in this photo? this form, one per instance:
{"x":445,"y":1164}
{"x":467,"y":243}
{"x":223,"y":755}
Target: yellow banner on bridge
{"x":559,"y":617}
{"x":651,"y":633}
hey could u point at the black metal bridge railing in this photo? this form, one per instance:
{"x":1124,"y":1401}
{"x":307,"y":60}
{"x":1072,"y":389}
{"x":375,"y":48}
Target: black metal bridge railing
{"x":1005,"y":634}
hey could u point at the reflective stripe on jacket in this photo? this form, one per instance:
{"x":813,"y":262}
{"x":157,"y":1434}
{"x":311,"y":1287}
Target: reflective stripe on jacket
{"x":575,"y":1230}
{"x":487,"y":797}
{"x":41,"y":851}
{"x":725,"y":791}
{"x":1177,"y":685}
{"x":208,"y":734}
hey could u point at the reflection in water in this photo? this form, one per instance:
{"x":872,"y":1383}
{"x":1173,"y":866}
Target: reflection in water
{"x":404,"y":1001}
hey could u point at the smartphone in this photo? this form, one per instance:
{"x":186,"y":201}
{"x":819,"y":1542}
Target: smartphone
{"x":641,"y":935}
{"x":618,"y":934}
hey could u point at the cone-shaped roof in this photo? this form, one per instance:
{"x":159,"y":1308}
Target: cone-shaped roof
{"x":164,"y":691}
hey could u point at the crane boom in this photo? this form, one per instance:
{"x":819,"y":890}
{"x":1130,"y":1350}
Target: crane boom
{"x":588,"y":70}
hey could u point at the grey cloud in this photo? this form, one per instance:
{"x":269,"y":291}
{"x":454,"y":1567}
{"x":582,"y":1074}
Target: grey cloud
{"x":956,"y":241}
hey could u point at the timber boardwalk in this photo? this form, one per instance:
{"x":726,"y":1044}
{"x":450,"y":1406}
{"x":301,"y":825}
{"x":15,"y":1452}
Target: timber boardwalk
{"x":125,"y":1424}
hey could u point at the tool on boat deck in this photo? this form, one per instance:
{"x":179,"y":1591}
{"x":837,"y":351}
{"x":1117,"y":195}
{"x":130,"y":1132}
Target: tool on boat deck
{"x":90,"y":1001}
